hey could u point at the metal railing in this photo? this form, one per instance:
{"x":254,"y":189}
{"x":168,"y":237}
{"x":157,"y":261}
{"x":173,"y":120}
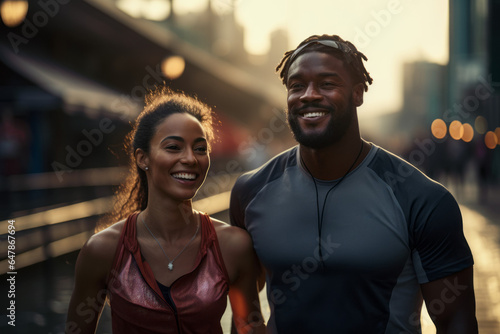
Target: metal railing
{"x":52,"y":232}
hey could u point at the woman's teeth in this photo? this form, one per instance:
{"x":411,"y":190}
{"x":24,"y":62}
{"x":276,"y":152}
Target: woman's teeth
{"x":185,"y":176}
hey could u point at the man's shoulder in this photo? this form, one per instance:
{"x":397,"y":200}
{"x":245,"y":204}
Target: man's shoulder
{"x":410,"y":185}
{"x":270,"y":170}
{"x":397,"y":172}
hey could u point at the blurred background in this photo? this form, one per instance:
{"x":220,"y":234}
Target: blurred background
{"x":73,"y":76}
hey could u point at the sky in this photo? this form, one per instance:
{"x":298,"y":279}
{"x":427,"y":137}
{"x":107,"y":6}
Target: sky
{"x":388,"y":32}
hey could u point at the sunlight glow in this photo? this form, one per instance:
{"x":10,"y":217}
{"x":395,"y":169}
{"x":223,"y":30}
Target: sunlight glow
{"x":154,"y":10}
{"x":192,"y":6}
{"x":388,"y":32}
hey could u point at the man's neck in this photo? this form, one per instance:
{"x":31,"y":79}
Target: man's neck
{"x":335,"y":161}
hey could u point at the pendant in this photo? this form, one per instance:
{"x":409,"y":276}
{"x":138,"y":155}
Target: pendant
{"x":170,"y":266}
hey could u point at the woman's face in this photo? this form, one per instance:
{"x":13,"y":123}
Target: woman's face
{"x":178,"y":158}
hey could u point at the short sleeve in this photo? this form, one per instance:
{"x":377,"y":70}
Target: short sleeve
{"x":236,"y":212}
{"x":440,"y":245}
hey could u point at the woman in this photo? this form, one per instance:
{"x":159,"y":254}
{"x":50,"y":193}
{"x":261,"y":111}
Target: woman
{"x":165,"y":267}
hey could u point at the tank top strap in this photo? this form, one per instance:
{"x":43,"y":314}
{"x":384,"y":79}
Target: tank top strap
{"x":211,"y":241}
{"x":123,"y":244}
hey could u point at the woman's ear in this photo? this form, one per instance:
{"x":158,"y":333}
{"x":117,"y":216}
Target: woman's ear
{"x":141,"y":159}
{"x":357,"y":94}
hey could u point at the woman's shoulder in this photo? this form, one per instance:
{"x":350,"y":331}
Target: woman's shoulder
{"x":96,"y":257}
{"x":236,"y":247}
{"x":232,"y":238}
{"x":102,"y":245}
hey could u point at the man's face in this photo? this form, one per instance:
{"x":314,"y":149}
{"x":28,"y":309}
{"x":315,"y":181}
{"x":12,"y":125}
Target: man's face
{"x":321,"y":99}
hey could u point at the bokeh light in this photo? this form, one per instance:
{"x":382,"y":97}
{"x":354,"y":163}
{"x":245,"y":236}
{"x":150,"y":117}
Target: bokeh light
{"x":481,"y":125}
{"x":491,"y":140}
{"x":456,"y":130}
{"x":438,"y":128}
{"x":13,"y":12}
{"x":468,"y":132}
{"x":173,"y":67}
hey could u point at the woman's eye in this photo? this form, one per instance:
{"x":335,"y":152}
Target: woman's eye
{"x":202,"y":149}
{"x":172,"y":147}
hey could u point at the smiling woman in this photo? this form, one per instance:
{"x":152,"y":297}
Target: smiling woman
{"x":162,"y":259}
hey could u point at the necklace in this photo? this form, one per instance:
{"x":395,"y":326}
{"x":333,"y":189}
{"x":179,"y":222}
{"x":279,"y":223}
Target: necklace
{"x":320,"y":217}
{"x":170,"y":265}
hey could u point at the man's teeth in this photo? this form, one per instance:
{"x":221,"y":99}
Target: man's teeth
{"x":186,"y":176}
{"x":314,"y":114}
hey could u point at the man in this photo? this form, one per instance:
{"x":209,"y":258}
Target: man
{"x":351,"y":237}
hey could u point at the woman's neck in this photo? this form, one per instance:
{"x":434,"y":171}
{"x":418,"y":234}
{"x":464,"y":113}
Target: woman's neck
{"x":170,"y":220}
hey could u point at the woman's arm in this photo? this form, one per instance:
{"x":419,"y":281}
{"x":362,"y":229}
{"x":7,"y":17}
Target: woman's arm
{"x":243,"y":269}
{"x":89,"y":295}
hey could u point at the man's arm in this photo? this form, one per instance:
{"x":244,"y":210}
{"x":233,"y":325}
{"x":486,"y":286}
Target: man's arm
{"x":451,"y":304}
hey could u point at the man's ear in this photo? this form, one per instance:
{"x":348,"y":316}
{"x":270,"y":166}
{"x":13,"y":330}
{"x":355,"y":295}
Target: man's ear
{"x":141,"y":159}
{"x":357,"y":94}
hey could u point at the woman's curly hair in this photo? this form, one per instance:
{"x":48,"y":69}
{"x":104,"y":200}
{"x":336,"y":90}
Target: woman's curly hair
{"x":132,"y":194}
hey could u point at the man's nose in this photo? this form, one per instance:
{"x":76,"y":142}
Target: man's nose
{"x":311,"y":93}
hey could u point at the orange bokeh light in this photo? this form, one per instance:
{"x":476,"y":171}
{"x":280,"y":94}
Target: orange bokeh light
{"x":438,"y":128}
{"x":491,"y":140}
{"x":456,"y":130}
{"x":468,"y":132}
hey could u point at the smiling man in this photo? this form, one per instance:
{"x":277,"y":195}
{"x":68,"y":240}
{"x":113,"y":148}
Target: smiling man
{"x":347,"y":243}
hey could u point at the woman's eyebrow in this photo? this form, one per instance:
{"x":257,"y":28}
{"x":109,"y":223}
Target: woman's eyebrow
{"x":178,"y":138}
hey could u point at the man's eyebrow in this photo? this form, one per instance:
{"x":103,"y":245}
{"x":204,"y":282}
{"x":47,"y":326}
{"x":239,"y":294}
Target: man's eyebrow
{"x":322,"y":74}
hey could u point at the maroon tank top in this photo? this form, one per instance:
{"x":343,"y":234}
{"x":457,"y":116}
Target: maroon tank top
{"x":198,"y":298}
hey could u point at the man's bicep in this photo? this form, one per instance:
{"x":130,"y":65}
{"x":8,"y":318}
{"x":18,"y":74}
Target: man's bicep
{"x":450,"y":302}
{"x":440,"y":245}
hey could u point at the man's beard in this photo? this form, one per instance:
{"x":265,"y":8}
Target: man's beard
{"x":335,"y":129}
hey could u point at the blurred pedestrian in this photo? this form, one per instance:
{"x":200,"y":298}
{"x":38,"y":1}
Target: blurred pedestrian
{"x":350,"y":236}
{"x":163,"y":266}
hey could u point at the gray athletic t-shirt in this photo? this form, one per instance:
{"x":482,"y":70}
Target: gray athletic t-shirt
{"x":386,"y":229}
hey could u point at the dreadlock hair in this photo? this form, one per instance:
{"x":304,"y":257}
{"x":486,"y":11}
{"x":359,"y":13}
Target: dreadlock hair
{"x":349,"y":54}
{"x":161,"y":102}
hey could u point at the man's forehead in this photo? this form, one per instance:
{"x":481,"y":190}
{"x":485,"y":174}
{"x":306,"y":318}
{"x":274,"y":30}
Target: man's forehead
{"x":308,"y":60}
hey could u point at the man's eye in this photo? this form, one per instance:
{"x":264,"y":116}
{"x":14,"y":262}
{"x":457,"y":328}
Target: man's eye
{"x":295,"y":86}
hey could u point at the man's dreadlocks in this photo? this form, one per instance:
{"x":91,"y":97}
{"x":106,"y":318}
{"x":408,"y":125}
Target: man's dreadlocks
{"x":348,"y":52}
